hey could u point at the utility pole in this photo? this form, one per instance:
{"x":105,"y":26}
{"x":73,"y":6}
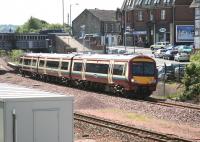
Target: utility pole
{"x":63,"y":14}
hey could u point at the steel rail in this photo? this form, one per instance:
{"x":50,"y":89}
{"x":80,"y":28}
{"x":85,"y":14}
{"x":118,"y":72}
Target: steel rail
{"x":146,"y":134}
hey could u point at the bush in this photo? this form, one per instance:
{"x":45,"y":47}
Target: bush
{"x":15,"y":54}
{"x":191,"y":82}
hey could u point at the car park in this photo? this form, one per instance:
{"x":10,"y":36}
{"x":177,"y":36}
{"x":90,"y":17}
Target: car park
{"x":159,"y":45}
{"x":166,"y":72}
{"x":170,"y":54}
{"x":159,"y":53}
{"x":182,"y":56}
{"x":171,"y":72}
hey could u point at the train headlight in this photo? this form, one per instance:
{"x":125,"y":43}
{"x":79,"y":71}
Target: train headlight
{"x":132,"y":80}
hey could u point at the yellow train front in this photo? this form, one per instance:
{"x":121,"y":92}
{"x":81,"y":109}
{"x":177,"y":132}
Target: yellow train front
{"x":142,"y":76}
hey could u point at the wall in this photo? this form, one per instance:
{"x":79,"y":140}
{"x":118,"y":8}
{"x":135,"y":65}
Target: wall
{"x":92,"y":24}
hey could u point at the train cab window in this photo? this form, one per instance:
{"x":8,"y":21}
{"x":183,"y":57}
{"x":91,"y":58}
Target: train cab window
{"x":41,"y":64}
{"x":52,"y":64}
{"x":97,"y":68}
{"x":149,"y":69}
{"x":27,"y":61}
{"x":143,"y":69}
{"x":34,"y":63}
{"x":118,"y":69}
{"x":64,"y":66}
{"x":77,"y":67}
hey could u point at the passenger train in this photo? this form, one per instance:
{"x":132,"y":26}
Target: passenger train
{"x":133,"y":75}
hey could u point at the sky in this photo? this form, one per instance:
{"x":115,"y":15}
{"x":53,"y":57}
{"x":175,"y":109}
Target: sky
{"x":17,"y":12}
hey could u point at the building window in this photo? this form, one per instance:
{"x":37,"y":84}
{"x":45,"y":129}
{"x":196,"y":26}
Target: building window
{"x":156,"y":1}
{"x":147,"y":2}
{"x":106,"y":28}
{"x":163,"y":14}
{"x":166,"y":1}
{"x":151,"y":16}
{"x":140,"y":15}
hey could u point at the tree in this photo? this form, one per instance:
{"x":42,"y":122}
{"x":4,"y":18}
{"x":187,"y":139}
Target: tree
{"x":34,"y":25}
{"x":192,"y":79}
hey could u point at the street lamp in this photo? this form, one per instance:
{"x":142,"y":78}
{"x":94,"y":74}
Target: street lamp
{"x":70,"y":13}
{"x":63,"y":14}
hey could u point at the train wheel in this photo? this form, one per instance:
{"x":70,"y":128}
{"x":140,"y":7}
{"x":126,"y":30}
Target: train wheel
{"x":118,"y":90}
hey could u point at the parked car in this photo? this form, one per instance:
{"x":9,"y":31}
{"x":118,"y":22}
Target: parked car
{"x":169,"y":47}
{"x":159,"y":53}
{"x":166,"y":72}
{"x":170,"y":54}
{"x":159,"y":45}
{"x":185,"y":48}
{"x":182,"y":56}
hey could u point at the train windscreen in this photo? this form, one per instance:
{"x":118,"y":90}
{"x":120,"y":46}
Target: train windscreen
{"x":143,"y":69}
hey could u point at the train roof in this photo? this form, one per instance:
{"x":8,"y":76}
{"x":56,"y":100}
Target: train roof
{"x":51,"y":55}
{"x":87,"y":56}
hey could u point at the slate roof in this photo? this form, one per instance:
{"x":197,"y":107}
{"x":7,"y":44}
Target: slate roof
{"x":134,"y":4}
{"x":104,"y":15}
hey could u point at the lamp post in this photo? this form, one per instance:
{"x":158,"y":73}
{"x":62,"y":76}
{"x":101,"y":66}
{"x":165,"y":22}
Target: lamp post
{"x":125,"y":28}
{"x":63,"y":14}
{"x":70,"y":15}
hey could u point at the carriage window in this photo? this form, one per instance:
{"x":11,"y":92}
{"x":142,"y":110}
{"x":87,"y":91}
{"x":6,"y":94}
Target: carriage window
{"x":52,"y":64}
{"x":20,"y":61}
{"x":41,"y":63}
{"x":118,"y":69}
{"x":27,"y":61}
{"x":34,"y":63}
{"x":77,"y":67}
{"x":97,"y":68}
{"x":64,"y":66}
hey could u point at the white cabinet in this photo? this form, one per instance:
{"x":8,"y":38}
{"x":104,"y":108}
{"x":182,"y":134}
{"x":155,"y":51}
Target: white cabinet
{"x":29,"y":115}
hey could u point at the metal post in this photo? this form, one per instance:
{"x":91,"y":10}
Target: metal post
{"x":125,"y":29}
{"x":70,"y":14}
{"x":164,"y":79}
{"x":63,"y":14}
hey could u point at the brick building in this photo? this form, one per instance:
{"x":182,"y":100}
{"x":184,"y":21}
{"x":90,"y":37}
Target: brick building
{"x":152,"y":21}
{"x":196,"y":4}
{"x":99,"y":23}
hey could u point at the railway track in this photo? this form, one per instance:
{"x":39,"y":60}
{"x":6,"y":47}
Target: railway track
{"x":171,"y":104}
{"x":148,"y":100}
{"x":145,"y":134}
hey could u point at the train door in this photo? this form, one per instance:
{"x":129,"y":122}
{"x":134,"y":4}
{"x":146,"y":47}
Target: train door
{"x":59,"y":67}
{"x":110,"y":72}
{"x":83,"y":69}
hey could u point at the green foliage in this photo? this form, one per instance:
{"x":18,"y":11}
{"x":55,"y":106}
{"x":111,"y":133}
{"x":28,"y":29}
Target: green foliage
{"x":34,"y":25}
{"x":15,"y":54}
{"x":3,"y":53}
{"x":195,"y":57}
{"x":191,"y":82}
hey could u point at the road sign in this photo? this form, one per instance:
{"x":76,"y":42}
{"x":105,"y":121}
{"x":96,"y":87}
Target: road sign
{"x":162,"y":30}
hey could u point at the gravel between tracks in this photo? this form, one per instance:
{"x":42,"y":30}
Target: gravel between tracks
{"x":112,"y":107}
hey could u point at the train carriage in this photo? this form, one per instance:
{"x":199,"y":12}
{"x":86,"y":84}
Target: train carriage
{"x":120,"y":74}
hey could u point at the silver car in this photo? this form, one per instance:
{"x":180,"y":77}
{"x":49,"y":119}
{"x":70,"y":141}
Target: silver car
{"x":182,"y":57}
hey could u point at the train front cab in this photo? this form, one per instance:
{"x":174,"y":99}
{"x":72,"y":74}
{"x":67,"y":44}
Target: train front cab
{"x":143,"y":76}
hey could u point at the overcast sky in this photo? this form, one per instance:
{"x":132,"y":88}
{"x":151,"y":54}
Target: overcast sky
{"x":19,"y":11}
